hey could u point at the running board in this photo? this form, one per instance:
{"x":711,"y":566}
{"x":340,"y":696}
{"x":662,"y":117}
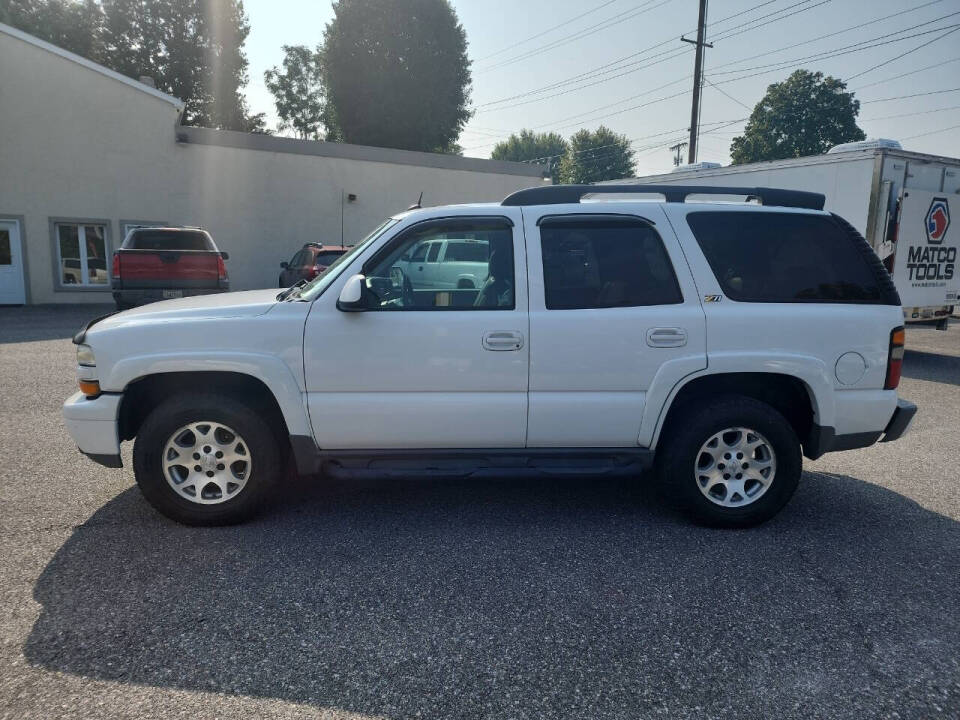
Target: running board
{"x":479,"y":463}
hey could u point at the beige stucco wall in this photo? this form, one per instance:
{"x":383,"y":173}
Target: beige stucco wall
{"x":77,"y":144}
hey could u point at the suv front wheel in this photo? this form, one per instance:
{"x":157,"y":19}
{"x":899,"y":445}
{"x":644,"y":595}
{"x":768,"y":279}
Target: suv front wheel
{"x":206,"y":459}
{"x":730,"y":461}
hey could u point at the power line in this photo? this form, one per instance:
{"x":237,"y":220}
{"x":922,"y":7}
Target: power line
{"x":591,"y":30}
{"x":855,"y":47}
{"x":903,"y":75}
{"x":724,"y":92}
{"x":547,"y":31}
{"x":932,"y":132}
{"x":822,"y":55}
{"x":670,"y":54}
{"x":911,"y":114}
{"x":921,"y":46}
{"x":904,"y":97}
{"x":856,"y":26}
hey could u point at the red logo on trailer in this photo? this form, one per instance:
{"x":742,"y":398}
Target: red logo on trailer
{"x":938,"y":220}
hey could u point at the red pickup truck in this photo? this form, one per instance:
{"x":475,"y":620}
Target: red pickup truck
{"x":162,"y":263}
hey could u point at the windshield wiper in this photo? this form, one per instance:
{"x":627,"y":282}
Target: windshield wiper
{"x":283,"y":295}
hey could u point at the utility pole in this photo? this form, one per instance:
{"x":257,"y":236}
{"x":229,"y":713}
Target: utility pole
{"x":697,"y":78}
{"x":677,"y":151}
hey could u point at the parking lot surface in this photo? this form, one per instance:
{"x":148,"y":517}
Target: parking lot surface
{"x":467,"y":599}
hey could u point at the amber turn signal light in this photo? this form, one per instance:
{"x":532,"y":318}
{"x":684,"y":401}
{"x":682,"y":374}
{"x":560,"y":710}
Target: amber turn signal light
{"x":895,"y":358}
{"x":90,"y":388}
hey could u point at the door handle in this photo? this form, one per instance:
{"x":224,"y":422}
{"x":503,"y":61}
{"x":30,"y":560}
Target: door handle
{"x":666,"y":337}
{"x":503,"y":341}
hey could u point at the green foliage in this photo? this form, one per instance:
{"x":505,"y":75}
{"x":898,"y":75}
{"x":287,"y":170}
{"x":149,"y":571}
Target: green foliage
{"x":544,"y":148}
{"x":595,"y":156}
{"x":71,"y":24}
{"x":298,"y":91}
{"x":192,"y":49}
{"x":396,"y":74}
{"x":806,"y":114}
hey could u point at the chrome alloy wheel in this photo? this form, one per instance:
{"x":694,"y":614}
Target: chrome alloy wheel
{"x":735,"y":467}
{"x":206,"y":462}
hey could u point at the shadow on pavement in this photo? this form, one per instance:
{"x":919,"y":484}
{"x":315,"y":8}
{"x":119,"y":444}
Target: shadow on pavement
{"x":518,"y":599}
{"x":920,"y":365}
{"x":46,"y":322}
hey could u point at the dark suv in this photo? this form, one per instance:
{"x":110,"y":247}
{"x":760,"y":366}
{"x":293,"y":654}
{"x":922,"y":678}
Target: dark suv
{"x":309,"y":262}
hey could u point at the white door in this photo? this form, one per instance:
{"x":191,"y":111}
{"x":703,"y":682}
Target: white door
{"x":612,"y":310}
{"x":424,"y":367}
{"x":12,"y":291}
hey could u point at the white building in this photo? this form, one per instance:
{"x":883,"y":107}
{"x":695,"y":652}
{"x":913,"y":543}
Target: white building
{"x":86,"y":152}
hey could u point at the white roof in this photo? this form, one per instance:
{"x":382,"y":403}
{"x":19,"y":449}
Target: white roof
{"x":72,"y":57}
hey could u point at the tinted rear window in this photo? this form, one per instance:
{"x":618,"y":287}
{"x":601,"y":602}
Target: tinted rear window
{"x":326,"y":257}
{"x":604,"y":262}
{"x":784,"y":257}
{"x":169,"y":240}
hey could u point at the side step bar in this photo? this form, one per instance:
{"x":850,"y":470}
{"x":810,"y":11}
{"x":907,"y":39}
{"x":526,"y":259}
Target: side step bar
{"x":470,"y":462}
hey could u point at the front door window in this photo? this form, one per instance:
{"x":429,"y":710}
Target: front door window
{"x":476,"y":273}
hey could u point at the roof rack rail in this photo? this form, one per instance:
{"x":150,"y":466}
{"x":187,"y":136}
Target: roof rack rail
{"x":564,"y":194}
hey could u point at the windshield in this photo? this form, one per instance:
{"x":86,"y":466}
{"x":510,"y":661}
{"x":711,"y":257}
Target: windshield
{"x":315,"y":287}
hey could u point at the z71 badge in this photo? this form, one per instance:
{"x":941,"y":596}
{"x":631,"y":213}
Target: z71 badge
{"x":712,"y":298}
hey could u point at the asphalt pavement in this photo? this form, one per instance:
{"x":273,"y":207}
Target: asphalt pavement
{"x":508,"y":599}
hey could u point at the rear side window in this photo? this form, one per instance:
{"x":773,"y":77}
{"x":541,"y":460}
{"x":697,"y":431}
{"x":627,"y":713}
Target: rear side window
{"x":784,"y":257}
{"x":169,"y":240}
{"x":604,"y":262}
{"x":474,"y":251}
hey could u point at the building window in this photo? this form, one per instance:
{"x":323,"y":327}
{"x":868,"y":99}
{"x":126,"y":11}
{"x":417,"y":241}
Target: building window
{"x":82,"y":254}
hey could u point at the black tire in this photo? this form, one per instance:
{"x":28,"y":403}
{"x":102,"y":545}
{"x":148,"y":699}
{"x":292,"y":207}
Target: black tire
{"x":180,"y":410}
{"x":693,"y":425}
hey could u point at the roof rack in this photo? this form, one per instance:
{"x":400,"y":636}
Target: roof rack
{"x":564,"y":194}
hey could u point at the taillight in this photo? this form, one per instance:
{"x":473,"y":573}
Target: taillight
{"x":115,"y":271}
{"x":221,"y":268}
{"x":895,"y":358}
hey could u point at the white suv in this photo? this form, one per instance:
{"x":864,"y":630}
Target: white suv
{"x":447,"y":263}
{"x":713,"y":342}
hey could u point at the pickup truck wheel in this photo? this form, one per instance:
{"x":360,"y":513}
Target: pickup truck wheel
{"x":206,"y":459}
{"x":732,"y":462}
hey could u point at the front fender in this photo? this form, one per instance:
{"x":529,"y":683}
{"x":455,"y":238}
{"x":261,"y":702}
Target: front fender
{"x":269,"y":369}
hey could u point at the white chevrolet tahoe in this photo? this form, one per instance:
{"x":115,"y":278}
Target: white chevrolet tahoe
{"x":714,"y":342}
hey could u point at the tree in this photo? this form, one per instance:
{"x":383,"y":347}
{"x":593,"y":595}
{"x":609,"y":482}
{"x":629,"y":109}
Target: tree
{"x":74,"y":25}
{"x":595,"y":156}
{"x":192,"y":49}
{"x":396,"y":74}
{"x":529,"y":146}
{"x":806,"y":114}
{"x":298,"y":91}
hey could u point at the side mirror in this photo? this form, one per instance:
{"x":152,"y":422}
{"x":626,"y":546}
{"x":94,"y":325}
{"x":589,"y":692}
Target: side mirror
{"x":224,"y":255}
{"x":284,"y":264}
{"x":353,"y":296}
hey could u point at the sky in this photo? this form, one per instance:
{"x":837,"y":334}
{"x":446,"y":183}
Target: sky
{"x":561,"y":65}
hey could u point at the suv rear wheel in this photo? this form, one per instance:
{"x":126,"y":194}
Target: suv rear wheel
{"x":730,"y":461}
{"x":206,"y":459}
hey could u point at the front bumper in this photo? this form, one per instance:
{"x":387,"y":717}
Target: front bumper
{"x":92,"y":422}
{"x":901,"y":421}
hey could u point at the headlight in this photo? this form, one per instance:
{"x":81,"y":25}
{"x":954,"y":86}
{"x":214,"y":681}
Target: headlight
{"x":85,"y":356}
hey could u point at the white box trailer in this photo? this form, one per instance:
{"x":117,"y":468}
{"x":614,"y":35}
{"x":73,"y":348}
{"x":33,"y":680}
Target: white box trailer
{"x":900,"y":201}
